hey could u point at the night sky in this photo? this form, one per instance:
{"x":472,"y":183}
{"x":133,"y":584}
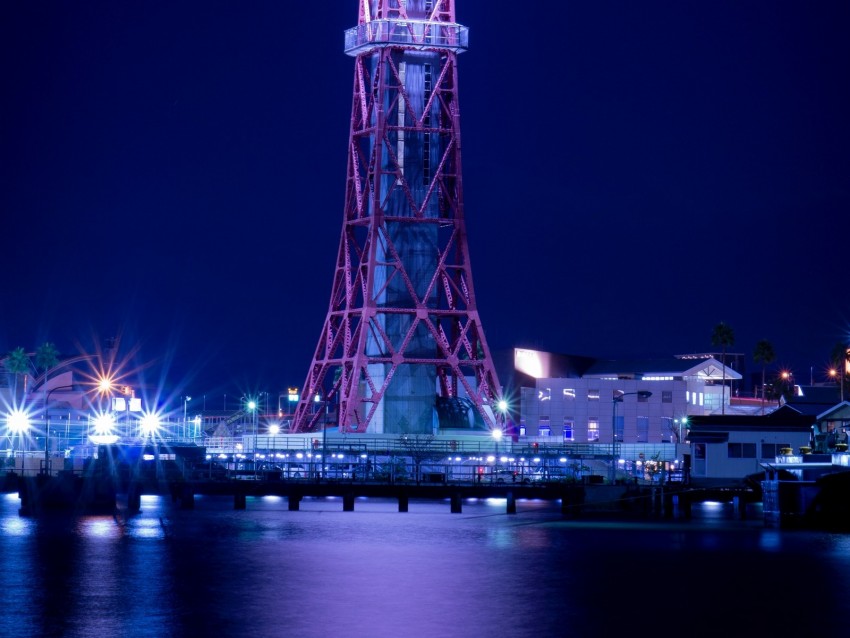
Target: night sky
{"x":634,"y":173}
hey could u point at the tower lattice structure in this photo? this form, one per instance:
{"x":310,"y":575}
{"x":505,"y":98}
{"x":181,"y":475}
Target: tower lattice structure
{"x":402,"y":349}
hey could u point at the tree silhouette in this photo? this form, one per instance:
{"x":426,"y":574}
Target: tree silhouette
{"x":46,"y":357}
{"x":765,"y":355}
{"x":723,"y":336}
{"x":18,"y":363}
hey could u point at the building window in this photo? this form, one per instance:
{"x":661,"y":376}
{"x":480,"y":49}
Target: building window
{"x":642,"y":397}
{"x":619,"y":426}
{"x":544,"y":428}
{"x":544,"y":394}
{"x":522,"y":429}
{"x":643,"y":429}
{"x":742,"y":450}
{"x":667,"y":429}
{"x":569,"y":426}
{"x":593,"y":429}
{"x":666,"y":396}
{"x":771,"y":450}
{"x":593,"y":395}
{"x":569,"y":394}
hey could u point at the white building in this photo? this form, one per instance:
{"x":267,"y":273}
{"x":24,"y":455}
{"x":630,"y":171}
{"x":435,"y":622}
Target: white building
{"x":579,"y":400}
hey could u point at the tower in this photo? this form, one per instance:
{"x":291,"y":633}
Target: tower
{"x":402,"y":350}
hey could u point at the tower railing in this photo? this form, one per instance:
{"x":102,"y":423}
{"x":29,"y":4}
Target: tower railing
{"x":417,"y":34}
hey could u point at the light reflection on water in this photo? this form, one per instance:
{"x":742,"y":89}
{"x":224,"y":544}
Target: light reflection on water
{"x":376,"y":572}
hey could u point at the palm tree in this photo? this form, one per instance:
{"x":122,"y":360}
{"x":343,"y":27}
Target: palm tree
{"x":18,"y":363}
{"x":46,"y":357}
{"x":723,"y":336}
{"x":765,"y":355}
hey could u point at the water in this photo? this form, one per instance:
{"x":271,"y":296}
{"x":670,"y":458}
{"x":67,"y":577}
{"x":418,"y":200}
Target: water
{"x":375,"y":572}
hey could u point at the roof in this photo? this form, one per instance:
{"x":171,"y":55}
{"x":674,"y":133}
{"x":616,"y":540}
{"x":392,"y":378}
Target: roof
{"x":840,"y":412}
{"x":777,"y":421}
{"x":704,"y":368}
{"x":822,"y":394}
{"x":809,"y":409}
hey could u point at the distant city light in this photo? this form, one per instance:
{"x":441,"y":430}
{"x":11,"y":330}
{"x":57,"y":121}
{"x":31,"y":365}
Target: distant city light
{"x":149,"y":424}
{"x":103,"y":424}
{"x":18,"y":421}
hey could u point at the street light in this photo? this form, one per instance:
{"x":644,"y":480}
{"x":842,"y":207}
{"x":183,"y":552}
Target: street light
{"x":186,"y":400}
{"x":252,"y":407}
{"x":680,"y":423}
{"x":502,"y":405}
{"x":126,"y":402}
{"x":497,"y":435}
{"x":833,"y":374}
{"x":18,"y":423}
{"x":149,"y":424}
{"x":618,"y":398}
{"x":47,"y":424}
{"x":274,"y":428}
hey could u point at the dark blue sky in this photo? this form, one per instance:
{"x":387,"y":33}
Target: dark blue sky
{"x":634,"y":173}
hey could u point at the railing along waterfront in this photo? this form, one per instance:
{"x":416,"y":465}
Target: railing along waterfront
{"x":475,"y":445}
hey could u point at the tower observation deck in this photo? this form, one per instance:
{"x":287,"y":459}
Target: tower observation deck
{"x":402,"y":350}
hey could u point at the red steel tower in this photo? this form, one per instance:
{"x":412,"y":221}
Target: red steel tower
{"x":402,"y":349}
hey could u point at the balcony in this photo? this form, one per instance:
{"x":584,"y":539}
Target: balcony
{"x":411,"y":34}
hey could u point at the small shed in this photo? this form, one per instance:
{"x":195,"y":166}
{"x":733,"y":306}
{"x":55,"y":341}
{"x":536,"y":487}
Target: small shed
{"x":728,"y":448}
{"x":830,"y":433}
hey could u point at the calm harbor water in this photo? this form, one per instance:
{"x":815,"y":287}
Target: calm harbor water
{"x":375,"y":572}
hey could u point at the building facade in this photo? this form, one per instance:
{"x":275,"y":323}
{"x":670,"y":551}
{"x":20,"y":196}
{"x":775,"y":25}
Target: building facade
{"x":624,"y":401}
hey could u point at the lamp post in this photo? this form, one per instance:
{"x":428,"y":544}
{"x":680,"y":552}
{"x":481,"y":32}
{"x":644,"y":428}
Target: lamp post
{"x":47,"y":424}
{"x":274,"y":428}
{"x":324,"y":423}
{"x":18,"y":423}
{"x":502,"y":405}
{"x":186,"y":400}
{"x":497,"y":434}
{"x":618,"y":398}
{"x":679,"y":423}
{"x":252,"y":408}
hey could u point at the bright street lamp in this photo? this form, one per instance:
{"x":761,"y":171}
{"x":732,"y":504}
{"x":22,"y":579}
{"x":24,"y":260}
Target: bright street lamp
{"x":18,"y":422}
{"x":104,"y":429}
{"x":496,"y":433}
{"x":149,"y":424}
{"x":274,"y":428}
{"x":618,"y":398}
